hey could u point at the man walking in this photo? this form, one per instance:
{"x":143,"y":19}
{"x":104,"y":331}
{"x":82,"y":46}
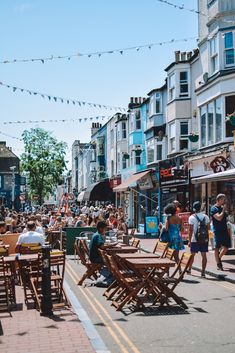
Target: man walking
{"x":199,"y":224}
{"x":222,"y":238}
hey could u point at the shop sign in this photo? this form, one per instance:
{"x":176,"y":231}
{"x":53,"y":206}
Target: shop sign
{"x":219,"y":164}
{"x":165,"y":173}
{"x":173,"y":171}
{"x":145,"y":182}
{"x":151,"y":225}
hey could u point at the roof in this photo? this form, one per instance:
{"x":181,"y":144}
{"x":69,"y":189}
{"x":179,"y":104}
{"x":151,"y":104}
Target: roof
{"x":6,"y":152}
{"x":157,"y":89}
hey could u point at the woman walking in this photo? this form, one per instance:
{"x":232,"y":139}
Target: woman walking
{"x":174,"y":226}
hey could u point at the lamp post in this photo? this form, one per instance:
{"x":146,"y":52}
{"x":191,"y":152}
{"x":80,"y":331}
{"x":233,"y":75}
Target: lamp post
{"x":13,"y":168}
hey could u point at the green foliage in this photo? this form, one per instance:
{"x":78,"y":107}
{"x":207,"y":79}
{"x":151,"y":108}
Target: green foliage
{"x":43,"y":160}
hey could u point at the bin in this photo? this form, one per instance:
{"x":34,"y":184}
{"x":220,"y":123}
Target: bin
{"x":71,"y":234}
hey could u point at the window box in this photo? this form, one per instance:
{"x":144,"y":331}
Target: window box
{"x":193,"y":137}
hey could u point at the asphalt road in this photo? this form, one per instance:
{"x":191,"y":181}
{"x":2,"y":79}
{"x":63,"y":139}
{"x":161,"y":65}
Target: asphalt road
{"x":208,"y":326}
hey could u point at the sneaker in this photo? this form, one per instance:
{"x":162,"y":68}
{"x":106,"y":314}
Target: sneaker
{"x":220,"y":266}
{"x":203,"y":275}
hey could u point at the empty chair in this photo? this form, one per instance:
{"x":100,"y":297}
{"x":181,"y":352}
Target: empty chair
{"x":160,"y":248}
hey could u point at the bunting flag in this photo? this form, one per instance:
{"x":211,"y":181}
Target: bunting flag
{"x":56,"y":99}
{"x":13,"y":137}
{"x":98,"y":54}
{"x":79,"y":120}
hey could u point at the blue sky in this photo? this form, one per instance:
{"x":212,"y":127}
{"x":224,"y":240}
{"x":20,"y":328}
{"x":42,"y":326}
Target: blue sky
{"x":40,"y":28}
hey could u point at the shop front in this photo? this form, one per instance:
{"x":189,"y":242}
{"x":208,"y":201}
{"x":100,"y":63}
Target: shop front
{"x":174,"y":182}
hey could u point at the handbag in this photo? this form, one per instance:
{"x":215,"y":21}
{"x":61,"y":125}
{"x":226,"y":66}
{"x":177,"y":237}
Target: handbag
{"x":164,"y":234}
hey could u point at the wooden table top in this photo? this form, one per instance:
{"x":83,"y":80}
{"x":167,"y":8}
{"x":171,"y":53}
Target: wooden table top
{"x":150,"y":262}
{"x":9,"y":259}
{"x":138,"y":255}
{"x":122,"y":249}
{"x":27,"y":257}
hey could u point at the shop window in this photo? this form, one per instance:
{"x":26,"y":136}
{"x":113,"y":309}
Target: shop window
{"x":218,"y":120}
{"x":183,"y":135}
{"x":137,"y":120}
{"x":229,"y":57}
{"x":229,"y":109}
{"x":210,"y":124}
{"x":184,"y":84}
{"x":123,"y":130}
{"x":172,"y":131}
{"x":171,"y":91}
{"x":203,"y":126}
{"x":150,"y":151}
{"x":214,"y":54}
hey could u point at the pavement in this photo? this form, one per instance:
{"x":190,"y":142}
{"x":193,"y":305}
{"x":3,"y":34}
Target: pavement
{"x":228,"y":274}
{"x":27,"y":331}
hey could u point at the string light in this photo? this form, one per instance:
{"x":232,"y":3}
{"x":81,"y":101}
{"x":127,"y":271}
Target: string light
{"x":98,"y":54}
{"x":56,"y":99}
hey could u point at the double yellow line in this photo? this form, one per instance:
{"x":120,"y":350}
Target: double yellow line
{"x":123,"y":341}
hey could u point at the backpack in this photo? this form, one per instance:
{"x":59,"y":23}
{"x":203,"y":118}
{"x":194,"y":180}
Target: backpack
{"x":202,"y":234}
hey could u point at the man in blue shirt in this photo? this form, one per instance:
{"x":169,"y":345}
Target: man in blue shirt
{"x":222,"y":238}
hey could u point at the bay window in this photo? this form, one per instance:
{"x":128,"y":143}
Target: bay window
{"x":218,"y":120}
{"x":210,"y":124}
{"x":183,"y":135}
{"x":229,"y":57}
{"x":214,"y":54}
{"x":171,"y":91}
{"x":159,"y":152}
{"x":203,"y":126}
{"x":137,"y":120}
{"x":172,"y":131}
{"x":184,"y":84}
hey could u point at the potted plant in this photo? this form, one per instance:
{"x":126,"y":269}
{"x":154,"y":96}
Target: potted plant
{"x":193,"y":137}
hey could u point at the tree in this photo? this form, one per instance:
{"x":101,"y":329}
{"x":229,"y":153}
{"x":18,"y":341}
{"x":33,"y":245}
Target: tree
{"x":44,"y":161}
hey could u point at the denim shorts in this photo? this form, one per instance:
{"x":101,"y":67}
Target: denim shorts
{"x":195,"y":247}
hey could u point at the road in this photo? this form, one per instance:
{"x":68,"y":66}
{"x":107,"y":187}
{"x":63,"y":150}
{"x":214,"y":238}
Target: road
{"x":206,"y":327}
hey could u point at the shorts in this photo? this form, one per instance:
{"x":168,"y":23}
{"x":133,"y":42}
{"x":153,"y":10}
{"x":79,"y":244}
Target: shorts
{"x":196,"y":247}
{"x":222,"y":240}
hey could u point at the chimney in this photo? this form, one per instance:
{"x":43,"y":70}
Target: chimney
{"x":183,"y":56}
{"x":95,"y":127}
{"x":177,"y":56}
{"x":189,"y":55}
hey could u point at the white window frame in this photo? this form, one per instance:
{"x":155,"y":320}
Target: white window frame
{"x":159,"y":143}
{"x":229,"y":48}
{"x":150,"y":143}
{"x":183,"y":82}
{"x":171,"y":87}
{"x":214,"y":54}
{"x":123,"y":123}
{"x":172,"y":137}
{"x":183,"y":137}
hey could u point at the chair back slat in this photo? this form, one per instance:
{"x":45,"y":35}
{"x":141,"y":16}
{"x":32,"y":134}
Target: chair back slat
{"x":160,"y":248}
{"x":32,"y":248}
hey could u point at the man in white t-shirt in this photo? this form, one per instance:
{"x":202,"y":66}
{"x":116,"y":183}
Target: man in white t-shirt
{"x":30,"y":237}
{"x":196,"y":219}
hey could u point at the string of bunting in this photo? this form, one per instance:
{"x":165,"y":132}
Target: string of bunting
{"x":13,"y":137}
{"x":100,"y":117}
{"x":97,"y":53}
{"x":182,"y":7}
{"x":56,"y":99}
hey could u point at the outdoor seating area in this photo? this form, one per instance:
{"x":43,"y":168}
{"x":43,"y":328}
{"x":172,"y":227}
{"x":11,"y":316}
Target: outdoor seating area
{"x":139,"y":279}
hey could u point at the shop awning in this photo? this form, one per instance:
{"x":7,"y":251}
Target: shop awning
{"x":221,"y":176}
{"x":99,"y":191}
{"x":80,"y":197}
{"x":130,"y":182}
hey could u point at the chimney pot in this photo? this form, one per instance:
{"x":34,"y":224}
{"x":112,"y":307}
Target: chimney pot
{"x":177,"y":56}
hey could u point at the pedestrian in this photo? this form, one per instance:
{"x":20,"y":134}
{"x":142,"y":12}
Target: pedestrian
{"x":221,"y":233}
{"x":173,"y":226}
{"x":199,"y":226}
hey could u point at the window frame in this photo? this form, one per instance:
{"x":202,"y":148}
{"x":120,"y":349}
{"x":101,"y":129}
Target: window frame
{"x":171,"y":87}
{"x":183,"y":137}
{"x":229,"y":48}
{"x":183,"y":83}
{"x":172,"y":138}
{"x":214,"y":54}
{"x":123,"y":130}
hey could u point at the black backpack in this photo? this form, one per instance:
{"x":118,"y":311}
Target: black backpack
{"x":202,"y":234}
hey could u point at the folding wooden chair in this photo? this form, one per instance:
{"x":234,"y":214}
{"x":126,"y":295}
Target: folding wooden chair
{"x":4,"y":288}
{"x":92,"y":269}
{"x":135,"y":242}
{"x":129,"y":287}
{"x":57,"y":266}
{"x":3,"y":250}
{"x":160,"y":248}
{"x":171,"y":282}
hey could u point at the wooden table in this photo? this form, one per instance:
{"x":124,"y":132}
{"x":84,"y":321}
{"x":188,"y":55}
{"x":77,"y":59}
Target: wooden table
{"x":153,"y":281}
{"x":137,"y":255}
{"x":27,"y":257}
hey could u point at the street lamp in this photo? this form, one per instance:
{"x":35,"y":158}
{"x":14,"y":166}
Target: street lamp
{"x":13,"y":168}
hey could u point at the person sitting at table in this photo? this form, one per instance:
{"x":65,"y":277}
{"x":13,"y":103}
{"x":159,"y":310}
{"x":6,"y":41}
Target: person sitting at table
{"x":3,"y":228}
{"x":112,"y":222}
{"x":98,"y":242}
{"x":30,"y":237}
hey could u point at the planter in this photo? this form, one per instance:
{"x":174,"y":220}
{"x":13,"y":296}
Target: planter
{"x":193,"y":138}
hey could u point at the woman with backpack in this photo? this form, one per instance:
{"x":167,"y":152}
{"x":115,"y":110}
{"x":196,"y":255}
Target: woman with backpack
{"x":199,"y":226}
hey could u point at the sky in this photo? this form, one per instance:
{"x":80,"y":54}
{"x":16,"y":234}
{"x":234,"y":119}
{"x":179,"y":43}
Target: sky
{"x":41,"y":28}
